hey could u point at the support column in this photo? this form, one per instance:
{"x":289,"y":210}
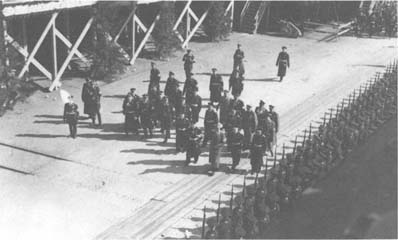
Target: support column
{"x":54,"y":50}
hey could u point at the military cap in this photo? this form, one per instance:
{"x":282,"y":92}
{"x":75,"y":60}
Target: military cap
{"x":132,"y":89}
{"x":171,"y":73}
{"x":211,"y":222}
{"x":214,"y":69}
{"x":248,"y":106}
{"x":262,"y":102}
{"x":284,"y":47}
{"x":152,"y":62}
{"x":239,"y":45}
{"x":271,"y":106}
{"x":189,"y":50}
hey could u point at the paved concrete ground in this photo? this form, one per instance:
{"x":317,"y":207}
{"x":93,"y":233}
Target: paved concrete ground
{"x":55,"y":187}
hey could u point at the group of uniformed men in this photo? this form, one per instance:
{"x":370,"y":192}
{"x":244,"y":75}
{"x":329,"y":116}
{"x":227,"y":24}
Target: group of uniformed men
{"x":182,"y":108}
{"x":225,"y":117}
{"x":342,"y":130}
{"x":91,"y":97}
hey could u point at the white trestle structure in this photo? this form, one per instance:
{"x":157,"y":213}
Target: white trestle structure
{"x":16,"y":8}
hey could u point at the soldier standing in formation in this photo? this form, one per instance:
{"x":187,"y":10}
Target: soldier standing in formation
{"x":239,"y":55}
{"x":91,"y":97}
{"x":236,"y":83}
{"x":71,"y":116}
{"x":225,"y":106}
{"x":190,"y":86}
{"x":249,"y":122}
{"x":195,"y":105}
{"x":216,"y":142}
{"x":182,"y":124}
{"x":257,"y":151}
{"x":270,"y":134}
{"x":170,"y":90}
{"x":188,"y":60}
{"x":274,"y":117}
{"x":236,"y":141}
{"x":282,"y":62}
{"x":131,"y":113}
{"x":210,"y":122}
{"x":146,"y":110}
{"x":166,"y":118}
{"x":154,"y":78}
{"x":216,"y":86}
{"x":193,"y":147}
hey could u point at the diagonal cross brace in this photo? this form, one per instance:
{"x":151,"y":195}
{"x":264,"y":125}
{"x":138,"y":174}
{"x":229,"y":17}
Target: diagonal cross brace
{"x":56,"y":82}
{"x":25,"y":53}
{"x":202,"y":18}
{"x":38,"y":44}
{"x":69,"y":44}
{"x":145,"y":39}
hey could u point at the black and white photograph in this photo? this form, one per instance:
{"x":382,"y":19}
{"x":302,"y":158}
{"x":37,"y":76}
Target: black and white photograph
{"x":188,"y":119}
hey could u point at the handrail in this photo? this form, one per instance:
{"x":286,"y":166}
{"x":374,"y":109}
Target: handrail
{"x":243,"y":12}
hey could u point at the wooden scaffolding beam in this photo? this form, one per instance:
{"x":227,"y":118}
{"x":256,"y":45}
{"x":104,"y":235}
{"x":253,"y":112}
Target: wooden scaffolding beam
{"x":56,"y":82}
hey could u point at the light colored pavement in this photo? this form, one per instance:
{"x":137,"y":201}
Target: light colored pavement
{"x":103,"y":183}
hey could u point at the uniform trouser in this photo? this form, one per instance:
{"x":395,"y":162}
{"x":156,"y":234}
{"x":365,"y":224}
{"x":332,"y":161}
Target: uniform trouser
{"x":195,"y":115}
{"x":181,"y":140}
{"x":146,"y":131}
{"x":256,"y":160}
{"x":188,"y":70}
{"x":235,"y":152}
{"x":72,"y":129}
{"x":167,"y":134}
{"x":94,"y":115}
{"x":241,"y":67}
{"x":269,"y":146}
{"x":207,"y":136}
{"x":248,"y":135}
{"x":192,"y":153}
{"x":214,"y":158}
{"x":131,"y":122}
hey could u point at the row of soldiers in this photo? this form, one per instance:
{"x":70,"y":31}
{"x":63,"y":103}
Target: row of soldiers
{"x":344,"y":128}
{"x":382,"y":19}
